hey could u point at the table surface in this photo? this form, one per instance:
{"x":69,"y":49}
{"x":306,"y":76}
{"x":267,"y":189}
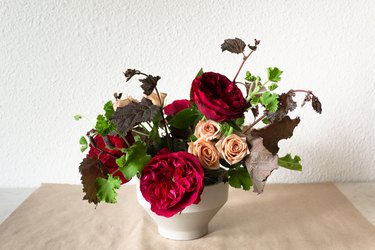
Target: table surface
{"x":362,"y":196}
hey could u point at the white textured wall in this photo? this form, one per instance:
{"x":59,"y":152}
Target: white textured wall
{"x":59,"y":58}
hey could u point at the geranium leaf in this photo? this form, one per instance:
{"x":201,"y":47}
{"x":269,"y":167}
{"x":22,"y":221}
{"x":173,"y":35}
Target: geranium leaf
{"x":83,"y":143}
{"x":91,"y":169}
{"x":134,"y":159}
{"x":133,"y":114}
{"x":269,"y":101}
{"x":233,"y":45}
{"x":77,"y":117}
{"x":108,"y":108}
{"x":106,"y":188}
{"x":239,"y":178}
{"x":274,"y":132}
{"x":260,"y":163}
{"x":103,"y":126}
{"x":149,"y":83}
{"x":274,"y":74}
{"x":290,"y":163}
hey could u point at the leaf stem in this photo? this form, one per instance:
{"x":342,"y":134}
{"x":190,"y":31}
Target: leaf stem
{"x":164,"y":121}
{"x":123,"y":137}
{"x":140,"y":133}
{"x":243,"y":62}
{"x":301,"y":90}
{"x":255,"y":122}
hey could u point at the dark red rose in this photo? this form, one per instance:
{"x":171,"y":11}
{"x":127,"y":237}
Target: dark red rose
{"x":217,"y":97}
{"x":172,"y":181}
{"x":107,"y":156}
{"x":176,"y":106}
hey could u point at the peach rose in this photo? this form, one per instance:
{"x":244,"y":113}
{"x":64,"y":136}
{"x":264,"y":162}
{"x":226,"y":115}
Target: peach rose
{"x":155,"y":99}
{"x":206,"y":152}
{"x":122,"y":103}
{"x":208,"y":130}
{"x":233,"y":148}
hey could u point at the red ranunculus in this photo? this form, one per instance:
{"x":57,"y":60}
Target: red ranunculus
{"x":217,"y":97}
{"x":107,"y":156}
{"x":176,"y":106}
{"x":172,"y":181}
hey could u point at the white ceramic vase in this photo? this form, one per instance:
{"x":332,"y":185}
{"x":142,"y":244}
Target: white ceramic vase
{"x":192,"y":222}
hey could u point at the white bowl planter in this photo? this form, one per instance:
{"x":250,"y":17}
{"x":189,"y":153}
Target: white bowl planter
{"x":192,"y":222}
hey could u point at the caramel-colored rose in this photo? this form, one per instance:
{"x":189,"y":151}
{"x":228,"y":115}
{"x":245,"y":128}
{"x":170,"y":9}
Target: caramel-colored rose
{"x":122,"y":103}
{"x":208,"y":130}
{"x":155,"y":99}
{"x":206,"y":152}
{"x":232,"y":148}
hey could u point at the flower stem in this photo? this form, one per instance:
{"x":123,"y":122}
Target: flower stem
{"x":140,"y":133}
{"x":243,"y":62}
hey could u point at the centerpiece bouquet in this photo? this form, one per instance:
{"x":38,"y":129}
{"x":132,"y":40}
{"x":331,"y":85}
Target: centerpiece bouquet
{"x":177,"y":149}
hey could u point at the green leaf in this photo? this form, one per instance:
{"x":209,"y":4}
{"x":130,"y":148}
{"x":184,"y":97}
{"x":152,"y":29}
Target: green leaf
{"x":274,"y":74}
{"x":185,"y":118}
{"x":249,"y":77}
{"x":290,"y":163}
{"x":77,"y":117}
{"x":109,"y":110}
{"x":273,"y":86}
{"x":236,"y":124}
{"x":83,"y":143}
{"x":270,"y":101}
{"x":134,"y":160}
{"x":239,"y":177}
{"x":154,"y":134}
{"x":103,"y":126}
{"x":255,"y":100}
{"x":226,"y":129}
{"x":200,"y":72}
{"x":266,"y":121}
{"x":106,"y":188}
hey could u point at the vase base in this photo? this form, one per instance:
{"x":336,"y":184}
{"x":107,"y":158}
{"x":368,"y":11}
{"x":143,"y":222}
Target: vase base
{"x":183,"y":235}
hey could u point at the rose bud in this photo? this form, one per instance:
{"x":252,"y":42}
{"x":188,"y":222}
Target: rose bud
{"x":177,"y":106}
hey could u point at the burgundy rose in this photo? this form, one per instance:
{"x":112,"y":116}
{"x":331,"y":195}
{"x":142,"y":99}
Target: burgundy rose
{"x":217,"y":97}
{"x":107,"y":156}
{"x":172,"y":181}
{"x":176,"y":106}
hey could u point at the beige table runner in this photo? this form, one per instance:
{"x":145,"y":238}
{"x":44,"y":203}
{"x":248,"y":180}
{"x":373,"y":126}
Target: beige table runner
{"x":286,"y":216}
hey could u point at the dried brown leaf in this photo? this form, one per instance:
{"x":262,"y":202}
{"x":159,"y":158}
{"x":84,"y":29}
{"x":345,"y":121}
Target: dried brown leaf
{"x":260,"y":163}
{"x":233,"y":45}
{"x":274,"y":132}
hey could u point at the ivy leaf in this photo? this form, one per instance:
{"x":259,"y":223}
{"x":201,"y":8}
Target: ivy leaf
{"x":239,"y":178}
{"x":200,"y":73}
{"x":109,"y":110}
{"x":83,"y":143}
{"x":91,"y":169}
{"x":103,"y":126}
{"x":149,"y":84}
{"x":77,"y":117}
{"x":274,"y":74}
{"x":106,"y":188}
{"x":317,"y":106}
{"x":185,"y":118}
{"x":290,"y":163}
{"x":233,"y":45}
{"x":274,"y":132}
{"x":270,"y":101}
{"x":134,"y":159}
{"x":260,"y":163}
{"x":133,"y":114}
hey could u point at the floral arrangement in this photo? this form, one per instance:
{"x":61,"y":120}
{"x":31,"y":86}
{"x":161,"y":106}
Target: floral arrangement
{"x":178,"y":149}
